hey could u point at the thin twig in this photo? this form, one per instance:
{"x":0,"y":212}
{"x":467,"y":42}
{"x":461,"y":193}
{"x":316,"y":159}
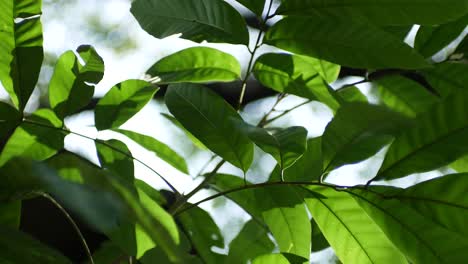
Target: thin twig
{"x":266,"y":122}
{"x":349,"y":85}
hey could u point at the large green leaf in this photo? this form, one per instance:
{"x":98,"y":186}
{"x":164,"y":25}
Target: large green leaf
{"x":271,"y":259}
{"x":197,"y":65}
{"x":416,"y":236}
{"x":357,"y":132}
{"x":160,"y":149}
{"x":72,"y":84}
{"x":20,"y":48}
{"x":349,"y":230}
{"x":447,"y":77}
{"x":285,"y":145}
{"x":404,"y":95}
{"x":343,"y":40}
{"x":255,"y":6}
{"x":38,"y":138}
{"x":197,"y":20}
{"x":431,"y":39}
{"x":434,"y":139}
{"x":252,"y":241}
{"x":122,"y":102}
{"x":298,"y":75}
{"x":10,"y":118}
{"x":383,"y":12}
{"x":17,"y":247}
{"x":209,"y":118}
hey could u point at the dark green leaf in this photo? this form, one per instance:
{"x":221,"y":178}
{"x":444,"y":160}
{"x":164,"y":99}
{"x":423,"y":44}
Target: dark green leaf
{"x":122,"y":102}
{"x":404,"y":95}
{"x":383,"y":12}
{"x":434,"y":139}
{"x":17,"y":247}
{"x":271,"y":259}
{"x":319,"y":242}
{"x":20,"y":48}
{"x":298,"y":75}
{"x":115,"y":157}
{"x":255,"y":6}
{"x":107,"y":253}
{"x":352,"y":234}
{"x":160,"y":149}
{"x":10,"y":214}
{"x":197,"y":20}
{"x":72,"y":84}
{"x":447,"y":77}
{"x":38,"y":138}
{"x":252,"y":241}
{"x":357,"y":132}
{"x":10,"y":118}
{"x":345,"y":41}
{"x":462,"y":48}
{"x":196,"y":65}
{"x":208,"y":117}
{"x":398,"y":31}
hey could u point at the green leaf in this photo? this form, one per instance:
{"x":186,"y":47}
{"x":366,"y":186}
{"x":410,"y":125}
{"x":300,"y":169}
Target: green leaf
{"x":252,"y":241}
{"x":192,"y":138}
{"x":416,"y":236}
{"x":255,"y":6}
{"x":461,"y":164}
{"x":434,"y":139}
{"x":203,"y":232}
{"x":345,"y":41}
{"x":462,"y":48}
{"x":447,"y":77}
{"x":404,"y":95}
{"x":107,"y":253}
{"x":285,"y":145}
{"x":298,"y":75}
{"x":20,"y":48}
{"x":10,"y":214}
{"x":115,"y":157}
{"x":209,"y":118}
{"x":122,"y":102}
{"x":271,"y":259}
{"x":352,"y":94}
{"x":197,"y":20}
{"x":38,"y":138}
{"x":196,"y":65}
{"x":431,"y":39}
{"x":319,"y":242}
{"x":72,"y":84}
{"x":349,"y":230}
{"x":10,"y":118}
{"x":399,"y":31}
{"x":306,"y":168}
{"x":17,"y":247}
{"x":357,"y":132}
{"x":383,"y":12}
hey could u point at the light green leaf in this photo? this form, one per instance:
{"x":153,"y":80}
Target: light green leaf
{"x":299,"y":75}
{"x":71,"y":86}
{"x":434,"y":139}
{"x":357,"y":132}
{"x":404,"y":95}
{"x":20,"y":48}
{"x":255,"y":6}
{"x":352,"y":94}
{"x":157,"y":147}
{"x":383,"y":12}
{"x":122,"y":102}
{"x":17,"y":247}
{"x":192,"y":138}
{"x":208,"y":117}
{"x":196,"y":65}
{"x":271,"y":259}
{"x":349,"y":230}
{"x":38,"y":138}
{"x":430,"y":39}
{"x":197,"y":20}
{"x":285,"y":145}
{"x":10,"y":118}
{"x":447,"y":77}
{"x":252,"y":241}
{"x":461,"y":164}
{"x":416,"y":236}
{"x":343,"y":40}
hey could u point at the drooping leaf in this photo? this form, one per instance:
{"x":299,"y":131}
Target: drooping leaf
{"x":298,"y":75}
{"x":349,"y":230}
{"x":196,"y":65}
{"x":20,"y":48}
{"x":357,"y":132}
{"x":383,"y":12}
{"x":10,"y":214}
{"x":345,"y":41}
{"x":255,"y":6}
{"x":194,"y":140}
{"x":271,"y":259}
{"x":208,"y":117}
{"x":122,"y":102}
{"x":431,"y":39}
{"x":197,"y":20}
{"x":447,"y":77}
{"x":252,"y":241}
{"x":71,"y":86}
{"x":416,"y":236}
{"x":38,"y":138}
{"x":404,"y":95}
{"x":18,"y":247}
{"x":10,"y":118}
{"x":434,"y":139}
{"x":204,"y":234}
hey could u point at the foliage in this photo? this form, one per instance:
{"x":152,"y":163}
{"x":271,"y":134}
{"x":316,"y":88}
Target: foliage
{"x":421,"y":115}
